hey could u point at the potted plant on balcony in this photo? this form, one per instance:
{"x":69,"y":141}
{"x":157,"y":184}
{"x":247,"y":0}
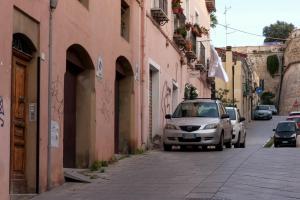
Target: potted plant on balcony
{"x":198,"y":31}
{"x":176,"y":7}
{"x":188,"y":45}
{"x":188,"y":26}
{"x":181,"y":31}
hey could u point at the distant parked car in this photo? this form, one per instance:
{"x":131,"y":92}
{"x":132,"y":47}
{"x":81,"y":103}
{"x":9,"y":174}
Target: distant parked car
{"x":295,"y":118}
{"x":199,"y":122}
{"x":239,"y":131}
{"x":262,"y":112}
{"x":273,"y":109}
{"x":286,"y":133}
{"x":294,"y":113}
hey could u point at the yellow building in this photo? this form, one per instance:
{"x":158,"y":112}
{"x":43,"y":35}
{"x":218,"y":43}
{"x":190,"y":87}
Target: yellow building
{"x":241,"y":82}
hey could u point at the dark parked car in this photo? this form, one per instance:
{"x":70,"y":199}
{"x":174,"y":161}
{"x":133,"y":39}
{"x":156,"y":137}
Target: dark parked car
{"x":262,"y":112}
{"x":286,"y":134}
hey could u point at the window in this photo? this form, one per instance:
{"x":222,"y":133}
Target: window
{"x":187,"y":9}
{"x":162,"y":4}
{"x":197,"y":19}
{"x":125,"y":19}
{"x":85,"y":3}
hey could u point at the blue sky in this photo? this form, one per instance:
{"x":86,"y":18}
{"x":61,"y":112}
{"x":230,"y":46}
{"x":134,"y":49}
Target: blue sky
{"x":252,"y":16}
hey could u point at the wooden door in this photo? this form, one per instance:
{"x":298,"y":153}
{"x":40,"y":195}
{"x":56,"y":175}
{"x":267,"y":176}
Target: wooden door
{"x":18,"y":122}
{"x":69,"y":150}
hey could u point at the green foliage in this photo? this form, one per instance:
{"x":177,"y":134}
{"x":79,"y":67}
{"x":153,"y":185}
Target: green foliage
{"x":190,"y":91}
{"x":272,"y":64}
{"x":98,"y":165}
{"x":181,"y":31}
{"x":213,"y":20}
{"x":279,"y":29}
{"x":267,"y":98}
{"x":221,"y":94}
{"x":139,"y":151}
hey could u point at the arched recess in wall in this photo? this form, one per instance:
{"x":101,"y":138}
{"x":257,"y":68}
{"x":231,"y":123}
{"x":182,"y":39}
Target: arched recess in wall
{"x":24,"y":135}
{"x":79,"y":108}
{"x":124,"y":107}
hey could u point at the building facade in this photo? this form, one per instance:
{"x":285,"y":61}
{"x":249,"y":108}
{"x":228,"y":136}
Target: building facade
{"x":74,"y":90}
{"x":241,"y":82}
{"x":258,"y":56}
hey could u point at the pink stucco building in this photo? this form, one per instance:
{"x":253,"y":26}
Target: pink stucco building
{"x":84,"y":80}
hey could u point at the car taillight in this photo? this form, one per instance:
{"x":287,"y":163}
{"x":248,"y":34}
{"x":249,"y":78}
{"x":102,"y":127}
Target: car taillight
{"x":298,"y":124}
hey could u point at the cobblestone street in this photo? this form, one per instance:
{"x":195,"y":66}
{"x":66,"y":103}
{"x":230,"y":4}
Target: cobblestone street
{"x":251,"y":173}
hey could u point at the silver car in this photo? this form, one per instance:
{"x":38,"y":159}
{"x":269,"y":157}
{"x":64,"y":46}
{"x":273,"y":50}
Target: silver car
{"x":199,"y":122}
{"x":239,"y":130}
{"x":262,"y":112}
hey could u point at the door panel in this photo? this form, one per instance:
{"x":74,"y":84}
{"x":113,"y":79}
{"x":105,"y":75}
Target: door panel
{"x":18,"y":133}
{"x":69,"y":150}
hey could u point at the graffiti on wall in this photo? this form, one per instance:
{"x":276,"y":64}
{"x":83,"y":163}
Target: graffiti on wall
{"x":1,"y":112}
{"x":166,"y":100}
{"x":106,"y":104}
{"x":57,"y":98}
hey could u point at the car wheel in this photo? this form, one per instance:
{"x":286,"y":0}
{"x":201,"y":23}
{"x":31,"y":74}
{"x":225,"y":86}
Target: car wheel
{"x":167,"y":147}
{"x":275,"y":144}
{"x":220,"y":146}
{"x":243,"y":145}
{"x":237,"y":144}
{"x":228,"y":144}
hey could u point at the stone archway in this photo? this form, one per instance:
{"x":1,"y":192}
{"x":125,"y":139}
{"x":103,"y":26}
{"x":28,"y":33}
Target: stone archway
{"x":79,"y":108}
{"x":124,"y":101}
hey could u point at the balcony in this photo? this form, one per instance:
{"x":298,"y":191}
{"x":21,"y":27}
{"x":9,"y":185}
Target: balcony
{"x":210,"y":5}
{"x":179,"y":40}
{"x":160,"y":12}
{"x":190,"y":49}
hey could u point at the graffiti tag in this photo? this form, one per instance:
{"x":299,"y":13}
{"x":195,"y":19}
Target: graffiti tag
{"x":1,"y":112}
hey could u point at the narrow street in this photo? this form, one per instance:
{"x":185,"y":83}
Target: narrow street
{"x":251,"y":173}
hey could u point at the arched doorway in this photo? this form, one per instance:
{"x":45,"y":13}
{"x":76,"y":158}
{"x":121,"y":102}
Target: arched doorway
{"x":24,"y":109}
{"x":124,"y":101}
{"x":79,"y":108}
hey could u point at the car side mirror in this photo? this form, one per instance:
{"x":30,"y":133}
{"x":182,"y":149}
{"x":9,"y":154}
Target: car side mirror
{"x":224,"y":116}
{"x":168,"y":116}
{"x":242,"y":119}
{"x":274,"y":129}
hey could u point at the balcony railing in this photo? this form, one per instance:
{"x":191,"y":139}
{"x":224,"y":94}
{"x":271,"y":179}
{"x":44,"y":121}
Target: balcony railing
{"x":159,"y":12}
{"x":210,"y":5}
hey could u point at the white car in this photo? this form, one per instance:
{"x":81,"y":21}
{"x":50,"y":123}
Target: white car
{"x":239,"y":131}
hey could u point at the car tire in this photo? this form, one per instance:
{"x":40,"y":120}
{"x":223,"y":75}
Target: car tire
{"x":220,"y":146}
{"x":228,"y":145}
{"x":243,"y":145}
{"x":237,"y":144}
{"x":167,"y":147}
{"x":276,"y":145}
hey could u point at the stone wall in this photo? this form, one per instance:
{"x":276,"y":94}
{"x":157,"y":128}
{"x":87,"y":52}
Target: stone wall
{"x":258,"y":55}
{"x":290,"y":95}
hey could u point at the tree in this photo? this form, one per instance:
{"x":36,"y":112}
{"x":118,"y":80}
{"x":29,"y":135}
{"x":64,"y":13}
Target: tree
{"x":267,"y":98}
{"x":213,"y":20}
{"x":272,"y":64}
{"x":279,"y":30}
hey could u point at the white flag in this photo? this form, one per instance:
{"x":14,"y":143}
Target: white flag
{"x":216,"y":68}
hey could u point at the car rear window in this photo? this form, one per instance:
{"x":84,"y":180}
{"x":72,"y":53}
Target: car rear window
{"x":196,"y":109}
{"x":283,"y":127}
{"x":296,"y":119}
{"x":231,"y":114}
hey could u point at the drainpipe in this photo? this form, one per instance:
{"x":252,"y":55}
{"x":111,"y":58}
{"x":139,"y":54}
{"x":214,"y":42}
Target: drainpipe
{"x":53,"y":4}
{"x":142,"y":4}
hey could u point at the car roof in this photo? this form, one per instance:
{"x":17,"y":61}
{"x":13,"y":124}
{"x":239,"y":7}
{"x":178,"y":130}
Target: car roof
{"x":281,"y":122}
{"x":295,"y":112}
{"x":232,"y":108}
{"x":201,"y":100}
{"x":293,"y":116}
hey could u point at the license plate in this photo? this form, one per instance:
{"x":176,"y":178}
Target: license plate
{"x":285,"y":142}
{"x":189,"y":136}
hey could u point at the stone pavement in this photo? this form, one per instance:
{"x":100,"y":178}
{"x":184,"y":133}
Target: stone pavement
{"x":234,"y":174}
